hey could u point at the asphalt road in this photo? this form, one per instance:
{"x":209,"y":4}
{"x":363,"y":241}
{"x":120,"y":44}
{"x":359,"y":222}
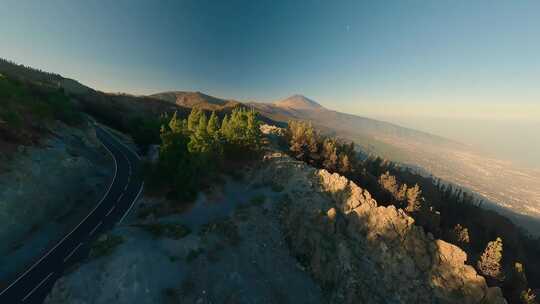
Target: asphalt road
{"x":34,"y":284}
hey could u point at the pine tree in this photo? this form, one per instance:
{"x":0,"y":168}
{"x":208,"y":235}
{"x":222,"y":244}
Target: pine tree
{"x":344,"y":164}
{"x":253,"y":131}
{"x":224,"y":130}
{"x":402,"y":193}
{"x":194,"y":118}
{"x":303,"y":140}
{"x":329,"y":155}
{"x":413,"y":198}
{"x":213,"y":125}
{"x":199,"y":141}
{"x":389,"y":183}
{"x":489,"y":264}
{"x":460,"y":234}
{"x":177,"y":125}
{"x":215,"y":137}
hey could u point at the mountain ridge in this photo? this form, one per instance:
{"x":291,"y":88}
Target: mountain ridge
{"x":195,"y":99}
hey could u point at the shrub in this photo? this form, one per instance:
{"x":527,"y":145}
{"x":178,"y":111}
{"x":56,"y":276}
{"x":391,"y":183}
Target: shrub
{"x":258,"y":200}
{"x":168,"y":230}
{"x":105,"y":245}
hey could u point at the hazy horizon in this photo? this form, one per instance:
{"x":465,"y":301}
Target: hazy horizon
{"x":512,"y":140}
{"x":457,"y":61}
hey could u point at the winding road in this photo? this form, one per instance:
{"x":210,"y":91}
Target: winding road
{"x":34,"y":284}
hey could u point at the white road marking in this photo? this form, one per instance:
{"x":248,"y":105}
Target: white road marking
{"x":126,"y":146}
{"x":120,"y":197}
{"x":72,"y":252}
{"x":95,"y":228}
{"x":38,"y":285}
{"x":132,"y":203}
{"x":71,"y":232}
{"x":110,"y":211}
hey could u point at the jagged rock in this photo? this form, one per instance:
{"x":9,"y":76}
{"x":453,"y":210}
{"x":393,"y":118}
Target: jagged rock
{"x":380,"y":255}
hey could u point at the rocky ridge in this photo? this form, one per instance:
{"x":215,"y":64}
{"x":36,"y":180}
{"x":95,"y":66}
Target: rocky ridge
{"x":366,"y":253}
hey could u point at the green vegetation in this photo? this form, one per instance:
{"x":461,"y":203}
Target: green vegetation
{"x":310,"y":146}
{"x":258,"y":200}
{"x":145,"y":131}
{"x":24,"y":102}
{"x":168,"y":230}
{"x":277,"y":187}
{"x":105,"y":245}
{"x":195,"y":149}
{"x":225,"y":228}
{"x":193,"y":254}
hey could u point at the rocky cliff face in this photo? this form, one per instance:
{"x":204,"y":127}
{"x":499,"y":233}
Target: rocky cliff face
{"x":364,"y":253}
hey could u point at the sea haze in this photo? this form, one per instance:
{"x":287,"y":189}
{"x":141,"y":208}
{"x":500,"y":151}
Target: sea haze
{"x":509,"y":139}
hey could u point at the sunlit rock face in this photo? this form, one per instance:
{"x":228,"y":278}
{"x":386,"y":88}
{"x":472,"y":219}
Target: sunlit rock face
{"x":364,"y":253}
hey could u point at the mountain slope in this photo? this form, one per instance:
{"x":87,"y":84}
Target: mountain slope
{"x":298,"y":102}
{"x":195,"y":99}
{"x":372,"y":135}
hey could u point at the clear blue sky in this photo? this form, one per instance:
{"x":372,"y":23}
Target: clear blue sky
{"x":386,"y":57}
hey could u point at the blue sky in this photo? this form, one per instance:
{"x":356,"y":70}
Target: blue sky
{"x":378,"y":58}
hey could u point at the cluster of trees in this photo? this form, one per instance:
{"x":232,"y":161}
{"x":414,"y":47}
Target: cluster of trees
{"x":406,"y":197}
{"x":306,"y":144}
{"x":14,"y":70}
{"x":22,"y":100}
{"x":448,"y":212}
{"x":193,"y":150}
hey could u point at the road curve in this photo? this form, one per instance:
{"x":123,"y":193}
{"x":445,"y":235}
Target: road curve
{"x":33,"y":285}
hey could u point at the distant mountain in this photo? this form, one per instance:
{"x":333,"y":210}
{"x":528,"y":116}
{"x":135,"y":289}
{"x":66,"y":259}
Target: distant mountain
{"x":374,"y":135}
{"x":298,"y":102}
{"x":195,"y":99}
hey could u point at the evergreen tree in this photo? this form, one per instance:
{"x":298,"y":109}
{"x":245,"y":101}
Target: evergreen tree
{"x":224,"y":130}
{"x":194,"y":118}
{"x":213,"y":125}
{"x":199,"y":140}
{"x":253,"y":131}
{"x":215,"y":137}
{"x":461,"y":234}
{"x":389,"y":183}
{"x":176,"y":125}
{"x":413,"y":198}
{"x":303,"y":140}
{"x":489,"y":264}
{"x":329,"y":155}
{"x":344,"y":164}
{"x":402,"y":193}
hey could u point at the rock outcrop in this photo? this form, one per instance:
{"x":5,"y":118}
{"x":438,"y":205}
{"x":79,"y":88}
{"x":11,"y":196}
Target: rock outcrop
{"x":364,"y":253}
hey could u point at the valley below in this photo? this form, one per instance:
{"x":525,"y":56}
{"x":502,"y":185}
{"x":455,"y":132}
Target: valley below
{"x":506,"y":187}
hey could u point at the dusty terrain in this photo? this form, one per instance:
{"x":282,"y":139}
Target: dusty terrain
{"x":234,"y":253}
{"x":41,"y":187}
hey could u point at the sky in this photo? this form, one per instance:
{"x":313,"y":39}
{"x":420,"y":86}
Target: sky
{"x":398,"y":60}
